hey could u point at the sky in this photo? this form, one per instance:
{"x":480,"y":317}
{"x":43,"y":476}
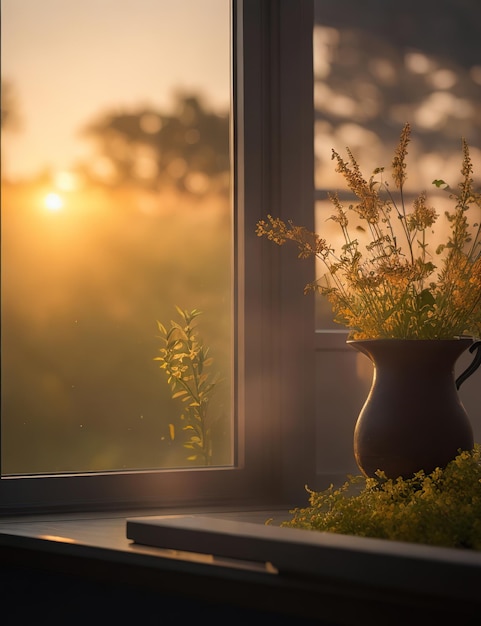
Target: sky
{"x":69,"y":60}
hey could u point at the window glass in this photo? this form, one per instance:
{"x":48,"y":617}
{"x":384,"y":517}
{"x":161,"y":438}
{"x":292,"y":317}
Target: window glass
{"x":116,"y":209}
{"x":378,"y":65}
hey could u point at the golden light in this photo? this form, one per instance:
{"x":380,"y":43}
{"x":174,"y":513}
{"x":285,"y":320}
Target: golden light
{"x":53,"y":202}
{"x":58,"y":538}
{"x":66,"y":181}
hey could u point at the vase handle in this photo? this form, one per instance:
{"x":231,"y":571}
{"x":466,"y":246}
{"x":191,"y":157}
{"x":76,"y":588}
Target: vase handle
{"x":474,"y":365}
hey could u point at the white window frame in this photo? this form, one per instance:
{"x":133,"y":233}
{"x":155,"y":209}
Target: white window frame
{"x":274,"y":322}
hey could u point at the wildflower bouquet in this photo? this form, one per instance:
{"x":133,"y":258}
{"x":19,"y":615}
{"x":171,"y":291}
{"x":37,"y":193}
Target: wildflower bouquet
{"x":394,"y":285}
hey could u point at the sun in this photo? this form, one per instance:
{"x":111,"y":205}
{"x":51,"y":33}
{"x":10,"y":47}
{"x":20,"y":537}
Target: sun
{"x":53,"y":202}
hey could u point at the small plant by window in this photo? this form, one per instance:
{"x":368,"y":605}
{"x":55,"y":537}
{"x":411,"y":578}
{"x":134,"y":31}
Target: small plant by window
{"x":442,"y":508}
{"x":185,"y":361}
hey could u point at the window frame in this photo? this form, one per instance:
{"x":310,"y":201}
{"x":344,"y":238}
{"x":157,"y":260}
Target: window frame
{"x":274,"y":403}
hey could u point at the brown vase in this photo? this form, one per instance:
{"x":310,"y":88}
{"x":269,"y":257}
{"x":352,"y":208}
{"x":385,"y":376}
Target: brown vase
{"x":413,"y":418}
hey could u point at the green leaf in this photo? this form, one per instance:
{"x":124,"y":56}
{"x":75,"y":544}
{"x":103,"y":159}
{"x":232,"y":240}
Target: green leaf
{"x":425,"y":298}
{"x":181,"y":312}
{"x":178,"y":394}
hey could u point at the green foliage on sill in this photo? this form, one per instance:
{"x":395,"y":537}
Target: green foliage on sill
{"x":442,"y":508}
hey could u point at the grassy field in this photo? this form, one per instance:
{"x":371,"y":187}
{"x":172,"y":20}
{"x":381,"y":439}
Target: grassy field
{"x":83,"y":286}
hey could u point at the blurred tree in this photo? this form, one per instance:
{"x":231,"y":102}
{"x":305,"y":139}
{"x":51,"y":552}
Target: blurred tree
{"x":10,"y":115}
{"x":188,"y":147}
{"x":442,"y":28}
{"x":379,"y":65}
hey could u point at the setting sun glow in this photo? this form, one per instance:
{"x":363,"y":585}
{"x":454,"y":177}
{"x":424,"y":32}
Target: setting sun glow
{"x":53,"y":202}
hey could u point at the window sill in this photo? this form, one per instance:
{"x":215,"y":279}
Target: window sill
{"x":309,"y":575}
{"x":339,"y":579}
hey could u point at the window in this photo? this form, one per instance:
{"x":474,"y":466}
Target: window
{"x":116,"y":207}
{"x":272,"y":422}
{"x":296,"y":388}
{"x":376,"y":67}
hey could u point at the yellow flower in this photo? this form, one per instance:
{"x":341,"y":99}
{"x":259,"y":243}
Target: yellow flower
{"x":395,"y":285}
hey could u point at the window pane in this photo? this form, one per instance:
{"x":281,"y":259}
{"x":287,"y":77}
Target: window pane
{"x":378,"y":65}
{"x":116,"y":208}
